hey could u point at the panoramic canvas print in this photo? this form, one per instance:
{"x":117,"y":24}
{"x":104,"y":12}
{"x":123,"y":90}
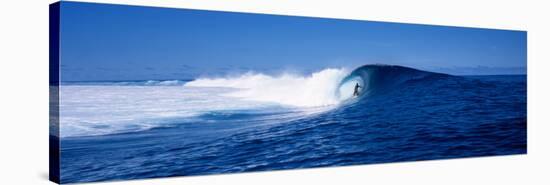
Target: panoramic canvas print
{"x":141,"y":92}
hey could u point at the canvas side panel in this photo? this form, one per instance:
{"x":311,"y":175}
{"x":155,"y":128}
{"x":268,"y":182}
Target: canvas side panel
{"x":54,"y":93}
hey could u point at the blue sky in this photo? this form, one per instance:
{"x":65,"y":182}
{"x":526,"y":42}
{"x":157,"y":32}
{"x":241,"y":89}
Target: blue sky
{"x":113,"y":42}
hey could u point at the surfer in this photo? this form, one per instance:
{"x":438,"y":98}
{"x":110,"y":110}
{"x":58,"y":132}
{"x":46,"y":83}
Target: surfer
{"x":356,"y":91}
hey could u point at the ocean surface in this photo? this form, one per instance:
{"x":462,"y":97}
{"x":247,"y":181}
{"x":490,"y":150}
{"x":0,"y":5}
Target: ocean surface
{"x":257,"y":122}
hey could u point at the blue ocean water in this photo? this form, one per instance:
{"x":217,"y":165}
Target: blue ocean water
{"x":402,"y":114}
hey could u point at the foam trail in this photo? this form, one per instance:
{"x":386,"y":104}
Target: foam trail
{"x":119,"y":107}
{"x":317,"y":89}
{"x":99,"y":110}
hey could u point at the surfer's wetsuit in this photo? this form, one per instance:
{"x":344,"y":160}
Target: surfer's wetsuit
{"x":356,"y":91}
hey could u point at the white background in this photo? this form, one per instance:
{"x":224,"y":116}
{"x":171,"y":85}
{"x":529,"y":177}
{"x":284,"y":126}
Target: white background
{"x":24,"y":91}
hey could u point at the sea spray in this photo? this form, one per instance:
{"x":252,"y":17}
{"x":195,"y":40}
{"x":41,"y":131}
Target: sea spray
{"x":317,"y":89}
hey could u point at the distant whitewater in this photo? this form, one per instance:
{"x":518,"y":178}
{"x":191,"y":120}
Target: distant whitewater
{"x":256,"y":122}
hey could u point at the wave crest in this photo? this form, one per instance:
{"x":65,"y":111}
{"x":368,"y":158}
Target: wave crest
{"x":375,"y":78}
{"x":313,"y":90}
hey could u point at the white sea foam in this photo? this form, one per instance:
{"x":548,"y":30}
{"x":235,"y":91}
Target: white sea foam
{"x":100,"y":109}
{"x":317,"y":89}
{"x":105,"y":109}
